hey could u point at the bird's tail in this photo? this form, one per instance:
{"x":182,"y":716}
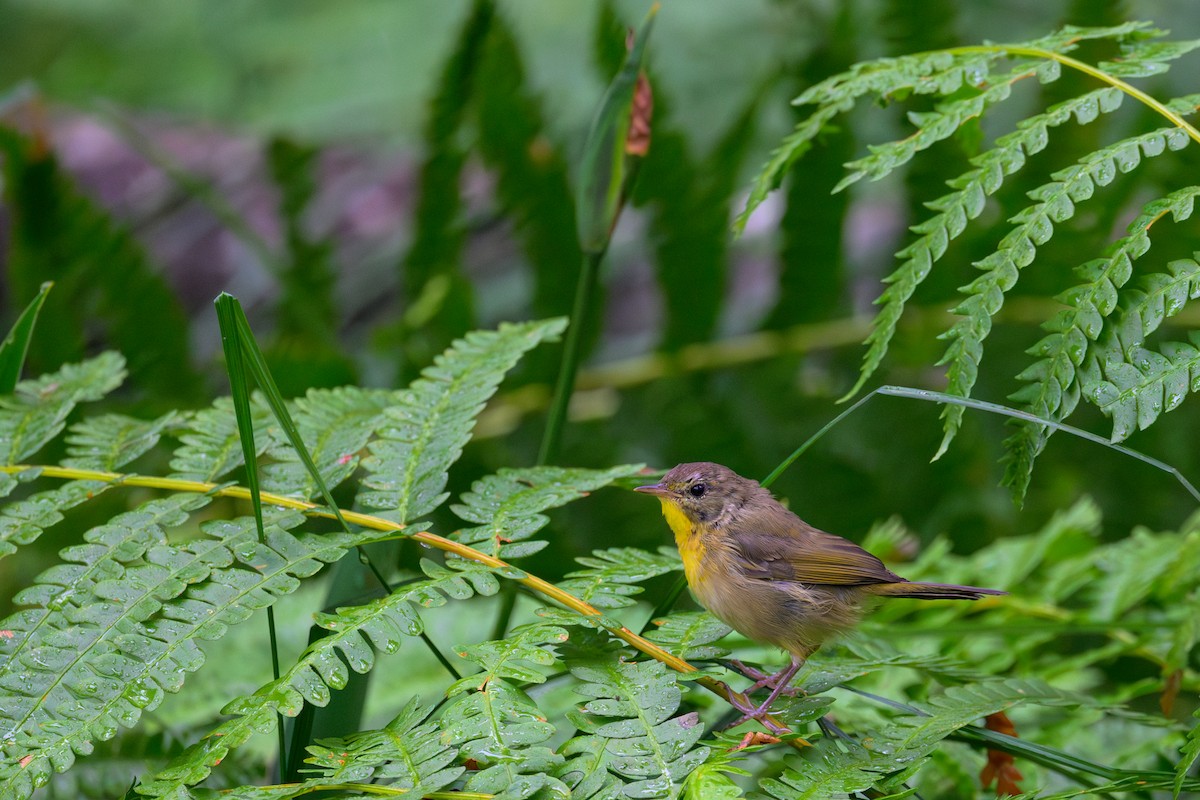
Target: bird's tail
{"x":932,"y":591}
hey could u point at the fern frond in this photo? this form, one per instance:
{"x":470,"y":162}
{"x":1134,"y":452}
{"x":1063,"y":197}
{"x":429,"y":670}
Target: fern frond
{"x":1142,"y":311}
{"x":629,"y":717}
{"x":856,"y":659}
{"x":210,"y":446}
{"x":503,"y":731}
{"x":828,"y":769}
{"x":1035,"y":225}
{"x":1053,"y":388}
{"x":142,"y":605}
{"x":77,"y":662}
{"x":507,"y":506}
{"x":432,"y":420}
{"x":22,"y":522}
{"x":955,"y":210}
{"x":1136,"y":391}
{"x":515,"y":657}
{"x":940,"y":72}
{"x":942,"y":123}
{"x":109,"y":441}
{"x":406,"y":755}
{"x":37,"y":411}
{"x":323,"y":666}
{"x":1118,"y":590}
{"x":961,"y":705}
{"x":335,"y":424}
{"x":1143,"y":58}
{"x":608,"y":582}
{"x":1189,"y":755}
{"x":690,"y":634}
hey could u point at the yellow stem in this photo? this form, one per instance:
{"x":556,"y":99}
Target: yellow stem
{"x":1087,"y":69}
{"x":433,"y":540}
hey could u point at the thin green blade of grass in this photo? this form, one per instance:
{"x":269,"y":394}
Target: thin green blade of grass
{"x":256,"y":362}
{"x":228,"y":312}
{"x":16,"y":345}
{"x":931,"y":396}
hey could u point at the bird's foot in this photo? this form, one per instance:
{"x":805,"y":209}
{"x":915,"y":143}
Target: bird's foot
{"x":755,"y":738}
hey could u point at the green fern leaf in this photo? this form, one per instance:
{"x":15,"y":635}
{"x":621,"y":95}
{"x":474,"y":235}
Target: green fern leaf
{"x":1118,"y":590}
{"x":939,"y":72}
{"x":1189,"y":756}
{"x":432,"y":420}
{"x":508,"y":505}
{"x":608,"y":582}
{"x":711,"y":781}
{"x":210,"y":446}
{"x":940,"y":124}
{"x":406,"y":755}
{"x":961,"y":705}
{"x":1161,"y":295}
{"x":690,"y":634}
{"x":502,"y":730}
{"x":828,"y":769}
{"x":383,"y":623}
{"x":1035,"y":226}
{"x":967,"y":202}
{"x":335,"y":425}
{"x":516,"y":656}
{"x":37,"y":411}
{"x":22,"y":522}
{"x":858,"y":658}
{"x":1053,"y":388}
{"x":585,"y":770}
{"x":74,"y":664}
{"x":109,"y":441}
{"x":1140,"y":59}
{"x":1135,"y":392}
{"x":132,"y":636}
{"x":631,"y":707}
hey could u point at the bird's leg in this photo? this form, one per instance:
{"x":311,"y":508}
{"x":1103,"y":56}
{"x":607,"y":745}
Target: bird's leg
{"x":760,"y":678}
{"x":781,"y":681}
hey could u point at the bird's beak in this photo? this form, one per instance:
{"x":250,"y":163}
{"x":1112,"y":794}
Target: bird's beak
{"x":654,"y":488}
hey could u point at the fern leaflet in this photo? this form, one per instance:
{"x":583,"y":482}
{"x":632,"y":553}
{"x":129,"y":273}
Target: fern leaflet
{"x":383,"y":623}
{"x":1035,"y":225}
{"x":1054,"y":387}
{"x":431,"y":421}
{"x":630,"y":718}
{"x":507,"y":506}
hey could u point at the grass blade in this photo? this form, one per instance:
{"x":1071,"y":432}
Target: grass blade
{"x":16,"y":345}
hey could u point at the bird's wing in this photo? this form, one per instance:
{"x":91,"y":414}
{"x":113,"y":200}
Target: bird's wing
{"x":803,"y":554}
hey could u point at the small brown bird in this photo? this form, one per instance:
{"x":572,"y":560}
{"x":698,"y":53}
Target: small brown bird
{"x":771,"y":575}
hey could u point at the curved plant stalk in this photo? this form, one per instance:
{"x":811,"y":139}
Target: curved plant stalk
{"x":930,"y":396}
{"x":542,"y":587}
{"x":1095,"y":72}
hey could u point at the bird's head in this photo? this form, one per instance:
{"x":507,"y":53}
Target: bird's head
{"x":703,"y":492}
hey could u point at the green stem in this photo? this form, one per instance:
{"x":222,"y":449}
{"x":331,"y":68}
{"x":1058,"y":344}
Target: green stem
{"x":567,"y":370}
{"x":930,"y":396}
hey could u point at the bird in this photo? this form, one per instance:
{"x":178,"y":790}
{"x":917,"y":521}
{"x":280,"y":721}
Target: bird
{"x":770,"y":575}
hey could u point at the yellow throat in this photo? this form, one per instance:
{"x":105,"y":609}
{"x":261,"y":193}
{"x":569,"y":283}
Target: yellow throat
{"x":687,"y":539}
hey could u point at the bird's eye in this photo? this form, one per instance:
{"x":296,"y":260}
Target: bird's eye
{"x":697,"y":490}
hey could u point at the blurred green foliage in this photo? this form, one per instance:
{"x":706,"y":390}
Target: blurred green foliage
{"x":705,"y":347}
